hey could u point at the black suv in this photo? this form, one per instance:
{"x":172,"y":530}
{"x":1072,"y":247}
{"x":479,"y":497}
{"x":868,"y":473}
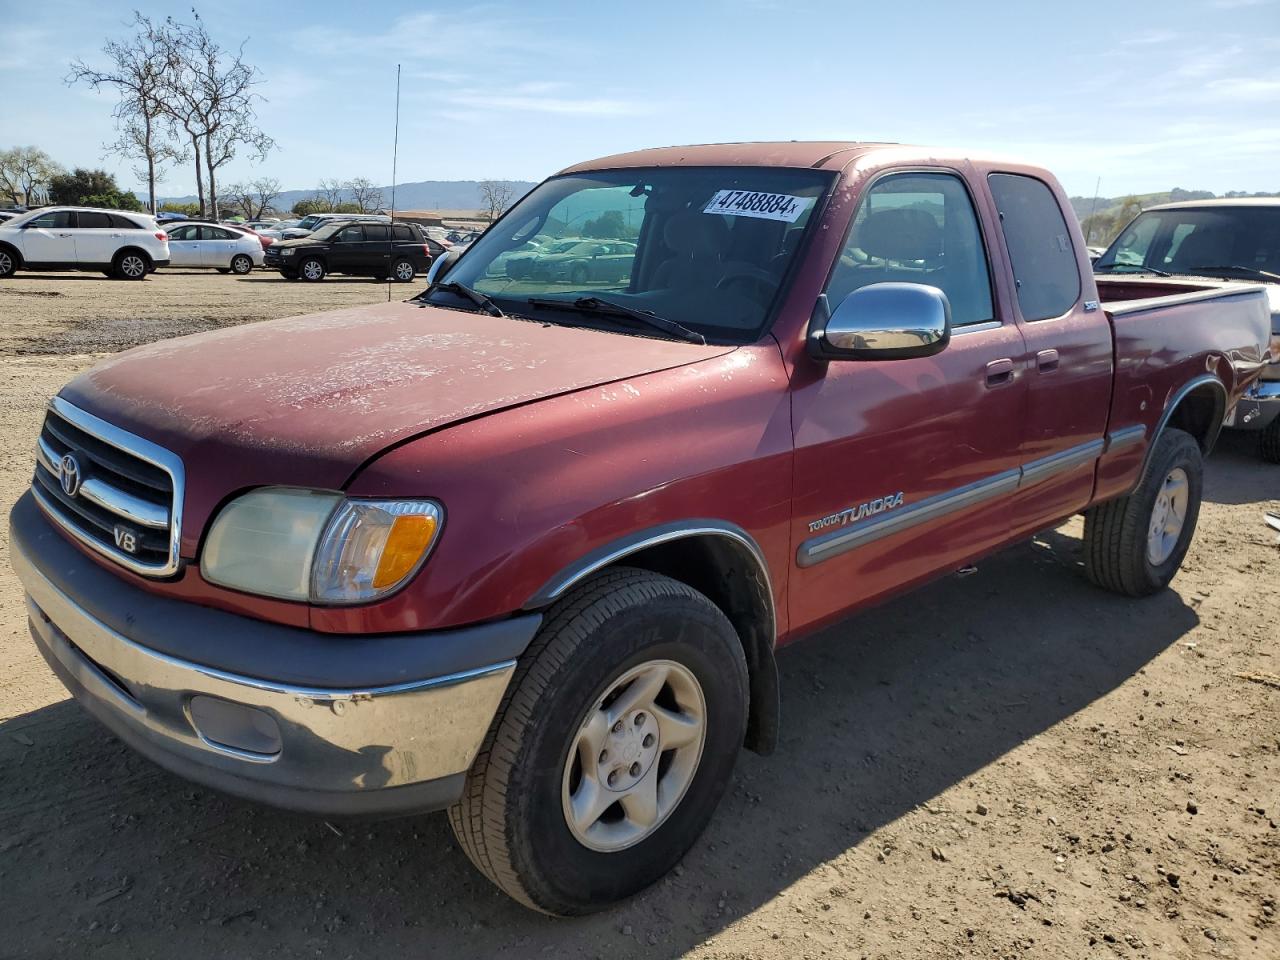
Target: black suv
{"x":364,"y":248}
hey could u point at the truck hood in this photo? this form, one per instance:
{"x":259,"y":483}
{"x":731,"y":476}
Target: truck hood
{"x":307,"y":400}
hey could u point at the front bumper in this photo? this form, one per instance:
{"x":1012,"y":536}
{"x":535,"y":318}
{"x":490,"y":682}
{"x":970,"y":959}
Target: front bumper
{"x":335,"y":749}
{"x":1258,"y":408}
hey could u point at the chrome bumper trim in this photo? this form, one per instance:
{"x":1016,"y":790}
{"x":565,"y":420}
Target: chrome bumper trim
{"x":332,"y":740}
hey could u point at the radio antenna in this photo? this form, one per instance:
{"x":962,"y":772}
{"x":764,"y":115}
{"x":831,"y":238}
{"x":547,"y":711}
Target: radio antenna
{"x":391,"y":227}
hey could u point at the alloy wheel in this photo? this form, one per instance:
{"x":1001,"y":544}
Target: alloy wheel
{"x":1168,"y":516}
{"x":635,"y":755}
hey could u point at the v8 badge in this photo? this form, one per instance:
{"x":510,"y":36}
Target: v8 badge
{"x":126,"y":539}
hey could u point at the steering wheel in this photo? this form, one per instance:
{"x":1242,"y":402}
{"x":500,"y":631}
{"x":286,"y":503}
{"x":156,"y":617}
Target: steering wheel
{"x":761,"y":283}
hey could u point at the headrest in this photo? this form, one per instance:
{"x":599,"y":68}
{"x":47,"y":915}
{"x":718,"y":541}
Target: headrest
{"x":695,"y":234}
{"x":903,"y":234}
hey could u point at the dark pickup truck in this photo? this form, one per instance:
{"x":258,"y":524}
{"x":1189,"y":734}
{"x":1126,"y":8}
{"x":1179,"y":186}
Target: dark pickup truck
{"x":526,"y":547}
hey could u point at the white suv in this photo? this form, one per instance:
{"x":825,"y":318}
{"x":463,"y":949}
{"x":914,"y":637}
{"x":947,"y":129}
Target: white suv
{"x":120,"y":243}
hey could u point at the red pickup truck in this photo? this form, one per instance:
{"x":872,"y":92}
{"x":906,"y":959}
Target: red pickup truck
{"x":525,"y":546}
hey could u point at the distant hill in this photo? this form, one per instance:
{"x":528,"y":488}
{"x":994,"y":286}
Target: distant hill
{"x":423,"y":195}
{"x":1109,"y":215}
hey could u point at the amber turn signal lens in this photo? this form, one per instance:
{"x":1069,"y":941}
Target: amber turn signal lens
{"x":408,"y":540}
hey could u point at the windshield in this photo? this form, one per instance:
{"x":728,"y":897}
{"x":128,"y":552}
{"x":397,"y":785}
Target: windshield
{"x":1241,"y":242}
{"x":707,"y":248}
{"x":328,"y":230}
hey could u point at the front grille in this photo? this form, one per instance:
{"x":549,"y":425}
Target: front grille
{"x":115,"y":492}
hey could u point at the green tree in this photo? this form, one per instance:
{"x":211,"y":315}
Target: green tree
{"x":304,"y":208}
{"x":608,"y":226}
{"x":90,"y":188}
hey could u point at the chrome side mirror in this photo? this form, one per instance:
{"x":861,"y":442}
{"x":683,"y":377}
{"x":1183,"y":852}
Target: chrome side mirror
{"x":440,"y":266}
{"x":883,"y":321}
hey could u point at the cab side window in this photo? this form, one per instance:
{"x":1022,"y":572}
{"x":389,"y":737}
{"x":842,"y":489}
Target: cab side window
{"x":402,"y":232}
{"x":1044,"y":262}
{"x":918,"y":228}
{"x":187,"y":232}
{"x":349,"y":235}
{"x":377,"y":231}
{"x":92,"y":220}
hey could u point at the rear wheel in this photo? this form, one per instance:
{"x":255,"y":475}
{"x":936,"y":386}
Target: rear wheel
{"x":611,"y":748}
{"x":1134,"y":545}
{"x":311,"y":270}
{"x":130,"y":265}
{"x":241,"y":264}
{"x":404,"y":271}
{"x":1269,"y":442}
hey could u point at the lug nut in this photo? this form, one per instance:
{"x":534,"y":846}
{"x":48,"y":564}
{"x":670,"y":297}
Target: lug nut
{"x":635,"y":769}
{"x":648,"y":739}
{"x":613,"y":778}
{"x":617,"y":727}
{"x":639,"y":719}
{"x":604,"y":755}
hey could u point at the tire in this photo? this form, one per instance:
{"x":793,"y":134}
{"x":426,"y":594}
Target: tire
{"x":289,"y":274}
{"x":223,"y":269}
{"x":403,"y":271}
{"x":241,"y":264}
{"x":130,"y":265}
{"x":1123,"y":552}
{"x":512,"y":819}
{"x":8,"y":262}
{"x":311,"y":270}
{"x":1269,"y":442}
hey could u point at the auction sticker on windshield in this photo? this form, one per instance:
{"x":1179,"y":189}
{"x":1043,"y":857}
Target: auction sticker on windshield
{"x":764,"y":206}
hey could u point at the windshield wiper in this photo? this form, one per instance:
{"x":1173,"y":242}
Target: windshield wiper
{"x":609,"y":308}
{"x":1236,"y":268}
{"x":482,"y":301}
{"x":1108,"y":267}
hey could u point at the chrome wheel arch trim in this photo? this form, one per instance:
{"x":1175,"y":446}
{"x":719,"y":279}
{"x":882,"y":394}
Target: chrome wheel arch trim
{"x":611,"y":553}
{"x":1171,"y":407}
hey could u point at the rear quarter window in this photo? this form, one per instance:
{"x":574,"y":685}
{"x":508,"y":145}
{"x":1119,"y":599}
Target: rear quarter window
{"x":1039,"y":243}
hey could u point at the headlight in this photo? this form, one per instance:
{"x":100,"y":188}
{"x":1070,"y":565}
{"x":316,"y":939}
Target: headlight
{"x":288,"y":252}
{"x":317,"y":546}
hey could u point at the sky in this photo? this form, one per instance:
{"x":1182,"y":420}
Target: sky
{"x":1144,"y":95}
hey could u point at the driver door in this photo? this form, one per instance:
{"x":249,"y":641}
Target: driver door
{"x":904,"y":468}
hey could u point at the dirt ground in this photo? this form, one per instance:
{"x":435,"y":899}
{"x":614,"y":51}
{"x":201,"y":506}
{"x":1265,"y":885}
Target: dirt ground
{"x":1009,"y":764}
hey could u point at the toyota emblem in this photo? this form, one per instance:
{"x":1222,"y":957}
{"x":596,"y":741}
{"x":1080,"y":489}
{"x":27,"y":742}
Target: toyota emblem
{"x":69,"y":475}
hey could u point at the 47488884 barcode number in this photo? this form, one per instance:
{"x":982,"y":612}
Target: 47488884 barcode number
{"x":766,"y":206}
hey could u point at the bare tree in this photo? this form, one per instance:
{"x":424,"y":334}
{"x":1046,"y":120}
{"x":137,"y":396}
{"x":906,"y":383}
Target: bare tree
{"x":209,"y":92}
{"x":136,"y":71}
{"x":496,"y":197}
{"x":329,"y":192}
{"x":365,"y":195}
{"x":25,"y":173}
{"x":255,"y":198}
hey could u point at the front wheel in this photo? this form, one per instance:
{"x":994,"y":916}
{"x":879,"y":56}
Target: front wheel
{"x":130,"y":265}
{"x":8,"y":263}
{"x":311,"y":270}
{"x":611,"y":748}
{"x":1134,"y":545}
{"x":1269,"y":442}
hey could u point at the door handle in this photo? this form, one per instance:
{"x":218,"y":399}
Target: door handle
{"x":64,"y":235}
{"x":116,"y":236}
{"x":1047,"y":361}
{"x":999,"y":372}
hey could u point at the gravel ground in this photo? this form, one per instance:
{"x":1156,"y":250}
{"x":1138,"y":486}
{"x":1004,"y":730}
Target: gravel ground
{"x":1011,"y":764}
